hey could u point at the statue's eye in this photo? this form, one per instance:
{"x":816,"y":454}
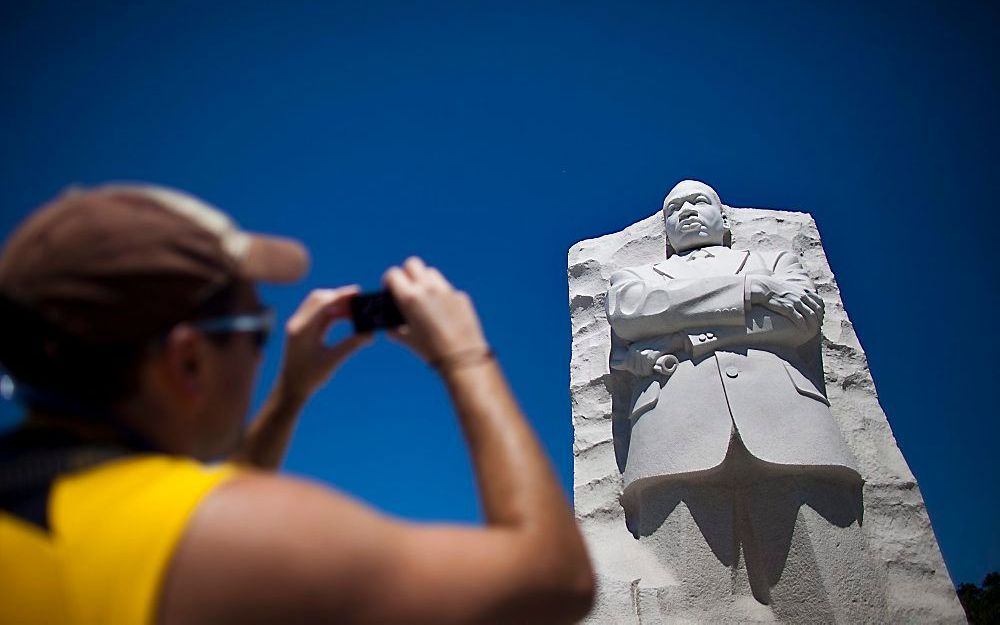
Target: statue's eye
{"x":702,"y":200}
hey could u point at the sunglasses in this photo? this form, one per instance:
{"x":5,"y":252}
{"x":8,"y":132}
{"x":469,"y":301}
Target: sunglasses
{"x":259,"y":324}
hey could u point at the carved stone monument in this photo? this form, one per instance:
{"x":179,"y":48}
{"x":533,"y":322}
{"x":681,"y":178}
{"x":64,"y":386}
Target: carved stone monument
{"x":732,"y":463}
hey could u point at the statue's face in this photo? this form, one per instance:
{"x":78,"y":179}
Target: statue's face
{"x":693,"y":214}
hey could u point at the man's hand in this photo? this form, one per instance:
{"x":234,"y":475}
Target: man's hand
{"x":441,"y":322}
{"x":307,"y":364}
{"x":308,"y":361}
{"x":801,"y":305}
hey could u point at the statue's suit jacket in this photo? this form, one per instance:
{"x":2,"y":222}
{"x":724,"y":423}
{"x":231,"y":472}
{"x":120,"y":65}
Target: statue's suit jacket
{"x":738,"y":371}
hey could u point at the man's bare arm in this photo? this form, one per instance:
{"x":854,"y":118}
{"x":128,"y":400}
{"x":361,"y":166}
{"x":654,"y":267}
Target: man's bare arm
{"x":265,"y":549}
{"x":270,"y":432}
{"x":306,"y":365}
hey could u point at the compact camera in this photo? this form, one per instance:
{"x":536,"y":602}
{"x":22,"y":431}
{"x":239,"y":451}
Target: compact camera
{"x":375,"y":311}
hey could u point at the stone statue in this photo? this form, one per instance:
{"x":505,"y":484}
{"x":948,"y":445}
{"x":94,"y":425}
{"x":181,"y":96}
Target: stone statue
{"x":722,"y":427}
{"x":723,"y":348}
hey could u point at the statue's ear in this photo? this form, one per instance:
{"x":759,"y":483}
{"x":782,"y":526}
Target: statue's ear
{"x":727,"y":232}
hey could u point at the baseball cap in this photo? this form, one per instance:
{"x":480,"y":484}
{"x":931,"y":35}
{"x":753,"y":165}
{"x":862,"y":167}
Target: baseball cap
{"x":123,"y":263}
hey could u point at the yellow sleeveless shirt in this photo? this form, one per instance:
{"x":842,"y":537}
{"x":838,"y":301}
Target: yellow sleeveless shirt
{"x":112,"y":530}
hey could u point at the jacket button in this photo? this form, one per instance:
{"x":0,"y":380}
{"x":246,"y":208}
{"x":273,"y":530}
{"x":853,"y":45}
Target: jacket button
{"x":732,"y":371}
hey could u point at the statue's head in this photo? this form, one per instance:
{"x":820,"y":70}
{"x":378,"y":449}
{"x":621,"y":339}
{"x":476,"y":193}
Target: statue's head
{"x":693,"y":215}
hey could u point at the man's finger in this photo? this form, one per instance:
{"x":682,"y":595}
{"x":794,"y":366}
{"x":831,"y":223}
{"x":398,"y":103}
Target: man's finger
{"x":416,"y":268}
{"x":398,"y":282}
{"x":316,"y":300}
{"x":320,"y":308}
{"x":437,"y":280}
{"x":400,"y":335}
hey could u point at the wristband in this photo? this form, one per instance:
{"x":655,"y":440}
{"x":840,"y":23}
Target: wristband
{"x":462,"y":358}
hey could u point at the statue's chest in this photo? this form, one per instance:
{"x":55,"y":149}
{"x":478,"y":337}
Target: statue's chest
{"x":727,"y":264}
{"x":755,"y":264}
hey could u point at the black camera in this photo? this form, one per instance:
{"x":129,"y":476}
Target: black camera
{"x":375,"y":311}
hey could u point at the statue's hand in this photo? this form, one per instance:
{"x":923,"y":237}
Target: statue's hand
{"x":801,"y":305}
{"x":666,"y":365}
{"x":646,"y":362}
{"x":641,"y":361}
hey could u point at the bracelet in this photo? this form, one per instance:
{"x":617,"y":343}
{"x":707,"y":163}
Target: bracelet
{"x":462,"y":358}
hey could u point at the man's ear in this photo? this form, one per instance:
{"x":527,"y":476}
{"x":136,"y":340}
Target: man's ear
{"x":181,"y":365}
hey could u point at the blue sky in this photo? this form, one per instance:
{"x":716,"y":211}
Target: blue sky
{"x":489,"y":137}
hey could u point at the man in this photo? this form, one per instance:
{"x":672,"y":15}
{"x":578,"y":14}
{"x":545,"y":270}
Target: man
{"x":718,"y":343}
{"x":132,"y":328}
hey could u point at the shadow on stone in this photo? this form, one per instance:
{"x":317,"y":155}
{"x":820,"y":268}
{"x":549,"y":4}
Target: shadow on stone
{"x":747,"y":508}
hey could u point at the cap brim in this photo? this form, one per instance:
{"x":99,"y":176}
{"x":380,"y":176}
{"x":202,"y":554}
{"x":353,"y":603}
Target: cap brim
{"x":274,"y":259}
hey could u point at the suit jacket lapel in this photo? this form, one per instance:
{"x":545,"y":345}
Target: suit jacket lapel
{"x":734,"y":261}
{"x":725,"y":262}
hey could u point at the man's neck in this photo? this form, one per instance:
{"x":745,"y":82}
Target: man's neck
{"x":81,"y":428}
{"x":112,"y":430}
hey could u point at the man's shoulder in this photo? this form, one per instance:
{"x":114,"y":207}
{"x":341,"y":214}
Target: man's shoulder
{"x":254,"y":525}
{"x":269,"y":498}
{"x":140,"y":484}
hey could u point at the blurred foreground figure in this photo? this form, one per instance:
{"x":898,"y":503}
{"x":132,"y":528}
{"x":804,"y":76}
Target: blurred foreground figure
{"x":131,"y":328}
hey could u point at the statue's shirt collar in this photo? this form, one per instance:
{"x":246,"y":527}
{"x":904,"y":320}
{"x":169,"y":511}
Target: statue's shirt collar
{"x":698,"y":254}
{"x":711,"y":260}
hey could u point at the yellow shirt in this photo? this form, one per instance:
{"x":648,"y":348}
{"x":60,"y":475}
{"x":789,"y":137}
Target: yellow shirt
{"x":112,"y":530}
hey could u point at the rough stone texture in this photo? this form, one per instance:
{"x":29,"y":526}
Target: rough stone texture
{"x":888,"y":568}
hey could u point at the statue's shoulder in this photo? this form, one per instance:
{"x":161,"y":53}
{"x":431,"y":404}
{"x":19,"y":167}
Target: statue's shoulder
{"x":765,"y":258}
{"x":642,"y":272}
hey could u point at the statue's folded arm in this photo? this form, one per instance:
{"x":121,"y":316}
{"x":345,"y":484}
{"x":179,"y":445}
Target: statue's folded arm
{"x":638,"y":309}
